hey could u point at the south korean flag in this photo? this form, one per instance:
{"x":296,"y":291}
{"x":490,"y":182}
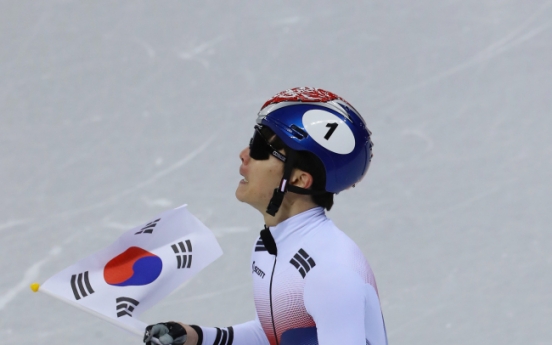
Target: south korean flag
{"x":143,"y":266}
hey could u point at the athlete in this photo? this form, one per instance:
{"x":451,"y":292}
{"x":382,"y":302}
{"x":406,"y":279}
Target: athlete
{"x":312,"y":284}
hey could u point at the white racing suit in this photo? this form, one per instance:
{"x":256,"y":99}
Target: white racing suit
{"x":314,"y":287}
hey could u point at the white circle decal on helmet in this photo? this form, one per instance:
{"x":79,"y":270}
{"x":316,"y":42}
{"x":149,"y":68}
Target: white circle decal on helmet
{"x":329,"y":131}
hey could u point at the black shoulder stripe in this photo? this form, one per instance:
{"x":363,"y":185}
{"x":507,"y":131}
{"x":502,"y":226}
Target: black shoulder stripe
{"x":269,"y":242}
{"x":259,"y":246}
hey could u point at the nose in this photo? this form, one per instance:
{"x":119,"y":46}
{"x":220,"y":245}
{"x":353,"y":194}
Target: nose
{"x":244,"y":155}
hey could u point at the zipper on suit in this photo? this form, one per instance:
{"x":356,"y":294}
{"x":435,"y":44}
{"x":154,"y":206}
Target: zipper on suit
{"x":270,"y":297}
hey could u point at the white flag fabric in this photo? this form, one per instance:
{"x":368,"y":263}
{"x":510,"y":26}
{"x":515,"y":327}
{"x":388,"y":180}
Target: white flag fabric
{"x":143,"y":266}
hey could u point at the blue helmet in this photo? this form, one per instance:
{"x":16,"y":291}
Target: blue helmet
{"x":320,"y":122}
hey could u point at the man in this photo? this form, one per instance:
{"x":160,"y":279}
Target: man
{"x":312,"y":284}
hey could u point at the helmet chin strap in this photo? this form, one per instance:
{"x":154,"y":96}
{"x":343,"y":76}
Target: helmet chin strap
{"x":278,"y":195}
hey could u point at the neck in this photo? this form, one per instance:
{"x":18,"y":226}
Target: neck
{"x":292,"y":205}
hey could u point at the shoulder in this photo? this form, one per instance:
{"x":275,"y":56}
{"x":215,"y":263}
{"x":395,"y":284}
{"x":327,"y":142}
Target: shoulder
{"x":333,"y":289}
{"x":328,"y":236}
{"x":331,"y":247}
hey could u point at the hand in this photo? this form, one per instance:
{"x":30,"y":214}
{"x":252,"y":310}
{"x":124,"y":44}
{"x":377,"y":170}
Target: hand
{"x":167,"y":333}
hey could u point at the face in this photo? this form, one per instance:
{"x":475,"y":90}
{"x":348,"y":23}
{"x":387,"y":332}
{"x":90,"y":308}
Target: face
{"x":260,"y":178}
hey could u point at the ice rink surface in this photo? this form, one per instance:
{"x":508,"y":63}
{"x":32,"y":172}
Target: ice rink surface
{"x":114,"y":111}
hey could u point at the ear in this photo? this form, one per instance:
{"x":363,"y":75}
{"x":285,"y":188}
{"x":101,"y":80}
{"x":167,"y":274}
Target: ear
{"x":301,"y":179}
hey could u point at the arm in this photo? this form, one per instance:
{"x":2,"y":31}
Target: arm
{"x":336,"y":299}
{"x":249,"y":332}
{"x":246,"y":333}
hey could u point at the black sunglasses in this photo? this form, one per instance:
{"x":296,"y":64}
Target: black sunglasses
{"x":260,"y":149}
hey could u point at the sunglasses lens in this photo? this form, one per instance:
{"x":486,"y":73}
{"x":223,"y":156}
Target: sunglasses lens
{"x":258,"y":148}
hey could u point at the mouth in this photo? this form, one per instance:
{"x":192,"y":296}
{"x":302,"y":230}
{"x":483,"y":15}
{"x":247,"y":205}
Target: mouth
{"x":242,"y":173}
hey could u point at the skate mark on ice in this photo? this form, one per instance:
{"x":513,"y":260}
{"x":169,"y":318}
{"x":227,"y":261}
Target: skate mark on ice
{"x":421,"y":316}
{"x":149,"y":49}
{"x":159,"y":202}
{"x":230,"y":230}
{"x":13,"y":223}
{"x":144,"y":183}
{"x":210,"y":294}
{"x":118,"y":226}
{"x":285,"y":21}
{"x":475,"y":198}
{"x":420,"y":134}
{"x":519,"y":35}
{"x":199,"y":52}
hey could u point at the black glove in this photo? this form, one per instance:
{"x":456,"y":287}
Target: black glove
{"x":167,"y":333}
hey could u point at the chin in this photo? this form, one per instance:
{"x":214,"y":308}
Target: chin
{"x":239,"y":194}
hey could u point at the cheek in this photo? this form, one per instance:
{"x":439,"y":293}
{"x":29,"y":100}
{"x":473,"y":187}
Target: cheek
{"x":269,"y":179}
{"x":274,"y":176}
{"x":264,"y":177}
{"x":266,"y":185}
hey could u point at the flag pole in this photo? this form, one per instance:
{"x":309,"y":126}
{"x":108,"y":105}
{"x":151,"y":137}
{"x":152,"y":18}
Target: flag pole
{"x":138,"y":328}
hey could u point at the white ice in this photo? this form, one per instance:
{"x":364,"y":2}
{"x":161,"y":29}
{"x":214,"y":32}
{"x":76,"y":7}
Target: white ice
{"x":113,"y":111}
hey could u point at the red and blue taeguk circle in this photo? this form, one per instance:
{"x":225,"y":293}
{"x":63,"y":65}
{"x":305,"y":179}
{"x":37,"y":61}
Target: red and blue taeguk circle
{"x":133,"y":267}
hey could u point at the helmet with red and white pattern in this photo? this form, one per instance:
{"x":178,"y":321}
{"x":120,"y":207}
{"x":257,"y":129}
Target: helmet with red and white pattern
{"x":321,"y":122}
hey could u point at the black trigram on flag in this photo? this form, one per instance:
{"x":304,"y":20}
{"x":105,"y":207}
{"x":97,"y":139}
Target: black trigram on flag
{"x":125,"y":306}
{"x":148,"y":228}
{"x":303,"y":262}
{"x":183,"y":254}
{"x":80,"y":284}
